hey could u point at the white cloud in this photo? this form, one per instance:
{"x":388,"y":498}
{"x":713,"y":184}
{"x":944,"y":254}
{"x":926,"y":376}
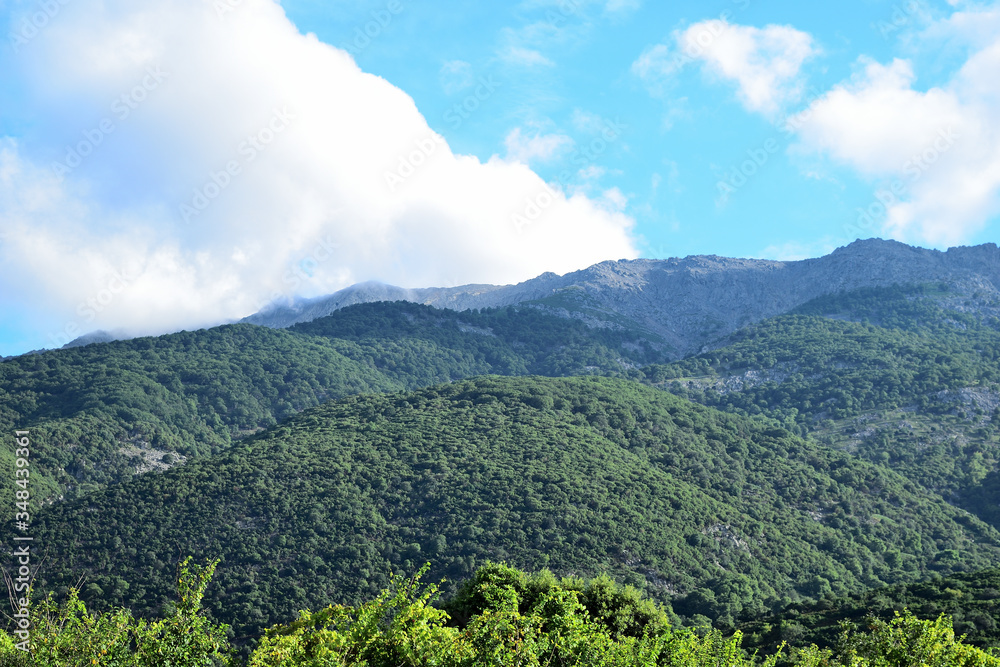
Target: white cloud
{"x":940,"y":147}
{"x":614,"y":199}
{"x":568,"y":8}
{"x":977,"y":27}
{"x":877,"y":121}
{"x":657,"y":64}
{"x":523,"y":57}
{"x":536,"y":148}
{"x":586,"y":121}
{"x":764,"y":63}
{"x":311,"y":211}
{"x":591,"y":172}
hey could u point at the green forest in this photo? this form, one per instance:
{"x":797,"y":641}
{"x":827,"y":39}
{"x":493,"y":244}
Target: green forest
{"x":918,"y":392}
{"x":971,"y":600}
{"x":589,"y":475}
{"x":97,"y":412}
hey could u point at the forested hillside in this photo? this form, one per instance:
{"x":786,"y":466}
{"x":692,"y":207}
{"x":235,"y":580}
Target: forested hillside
{"x":971,"y":600}
{"x":584,"y":476}
{"x":918,"y":391}
{"x":100,"y":413}
{"x":823,"y":455}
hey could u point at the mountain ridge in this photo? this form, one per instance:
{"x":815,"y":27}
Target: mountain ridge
{"x":689,"y":301}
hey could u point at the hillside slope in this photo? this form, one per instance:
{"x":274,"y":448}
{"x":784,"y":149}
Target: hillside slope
{"x":582,"y":475}
{"x":101,"y":413}
{"x":899,"y":376}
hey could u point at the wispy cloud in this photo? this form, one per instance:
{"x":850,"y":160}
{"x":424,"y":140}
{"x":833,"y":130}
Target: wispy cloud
{"x":518,"y":55}
{"x":537,"y":147}
{"x":764,"y":63}
{"x":622,"y":6}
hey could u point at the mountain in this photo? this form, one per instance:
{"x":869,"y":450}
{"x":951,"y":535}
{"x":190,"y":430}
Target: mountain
{"x":690,"y":302}
{"x":720,"y":513}
{"x":99,"y":336}
{"x":728,"y":465}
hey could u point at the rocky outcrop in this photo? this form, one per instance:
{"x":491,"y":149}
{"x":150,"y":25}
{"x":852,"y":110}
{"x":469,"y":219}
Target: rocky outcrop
{"x":693,"y":301}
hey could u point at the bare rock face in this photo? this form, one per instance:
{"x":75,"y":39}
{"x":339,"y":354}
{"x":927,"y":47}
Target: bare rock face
{"x":693,"y":301}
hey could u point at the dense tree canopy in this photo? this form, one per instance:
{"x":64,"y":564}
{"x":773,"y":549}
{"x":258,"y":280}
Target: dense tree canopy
{"x":98,"y":412}
{"x":583,"y":475}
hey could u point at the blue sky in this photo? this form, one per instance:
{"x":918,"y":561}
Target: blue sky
{"x":683,"y":139}
{"x":176,"y":165}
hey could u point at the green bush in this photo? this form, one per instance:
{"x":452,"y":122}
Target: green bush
{"x":67,"y":635}
{"x":512,"y":620}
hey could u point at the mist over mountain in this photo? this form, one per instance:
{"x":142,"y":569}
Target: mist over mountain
{"x":689,"y":302}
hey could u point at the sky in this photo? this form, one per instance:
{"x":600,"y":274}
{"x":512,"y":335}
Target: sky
{"x":175,"y":164}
